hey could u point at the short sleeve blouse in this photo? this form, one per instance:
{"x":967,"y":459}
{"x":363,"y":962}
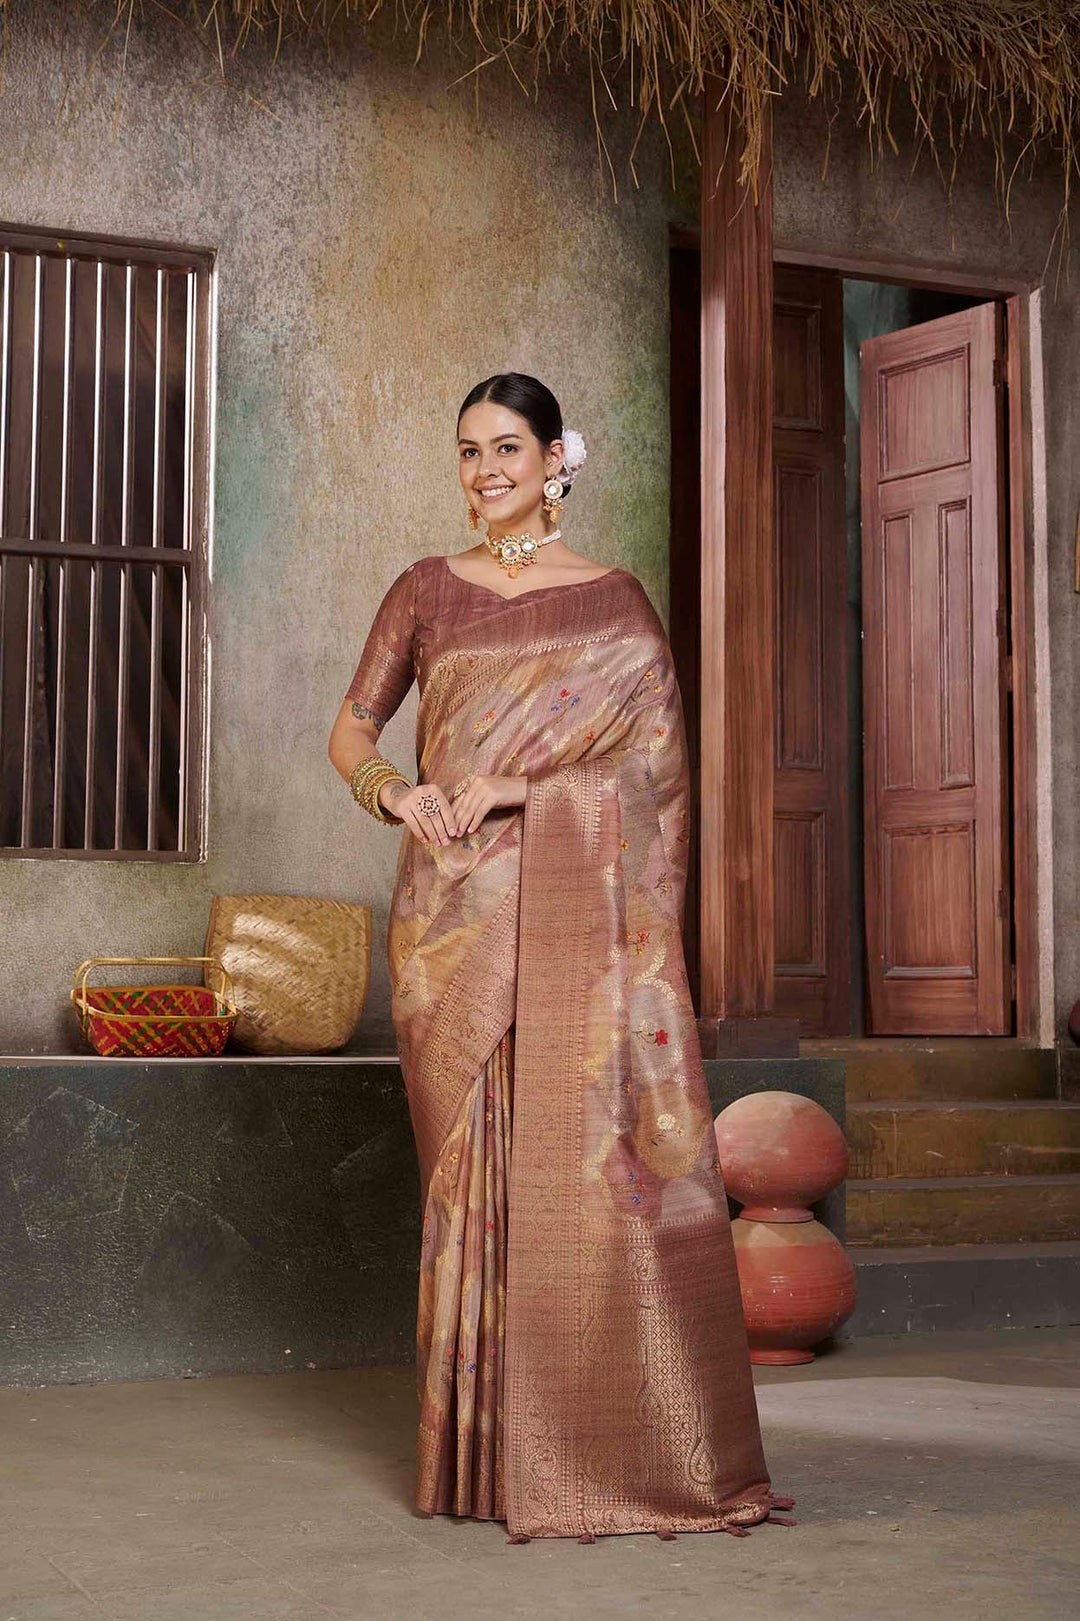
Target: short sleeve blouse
{"x":386,"y":668}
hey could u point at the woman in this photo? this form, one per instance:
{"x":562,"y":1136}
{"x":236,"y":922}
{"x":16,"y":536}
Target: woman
{"x":582,"y":1357}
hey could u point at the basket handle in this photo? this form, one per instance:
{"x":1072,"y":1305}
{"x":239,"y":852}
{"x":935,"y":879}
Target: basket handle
{"x":226,"y":991}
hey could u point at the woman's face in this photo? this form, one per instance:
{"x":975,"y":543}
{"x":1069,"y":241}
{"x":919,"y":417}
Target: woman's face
{"x":502,"y":464}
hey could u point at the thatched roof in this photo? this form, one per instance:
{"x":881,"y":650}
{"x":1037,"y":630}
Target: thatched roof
{"x":1007,"y":69}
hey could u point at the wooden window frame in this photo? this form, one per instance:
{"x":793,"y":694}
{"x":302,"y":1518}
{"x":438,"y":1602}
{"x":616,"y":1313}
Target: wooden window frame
{"x":193,"y":559}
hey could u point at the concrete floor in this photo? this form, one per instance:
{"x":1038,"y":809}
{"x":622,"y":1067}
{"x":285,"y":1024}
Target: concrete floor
{"x":936,"y":1475}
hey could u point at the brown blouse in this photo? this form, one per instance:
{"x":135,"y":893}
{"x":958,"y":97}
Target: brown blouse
{"x":411,"y":622}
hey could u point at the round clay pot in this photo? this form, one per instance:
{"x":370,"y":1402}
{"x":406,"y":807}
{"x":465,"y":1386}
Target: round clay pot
{"x":798,"y":1286}
{"x":778,"y":1153}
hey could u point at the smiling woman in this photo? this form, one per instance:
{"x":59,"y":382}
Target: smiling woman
{"x":517,"y":464}
{"x":581,"y":1352}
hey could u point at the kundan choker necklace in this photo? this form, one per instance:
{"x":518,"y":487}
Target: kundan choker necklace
{"x":518,"y":551}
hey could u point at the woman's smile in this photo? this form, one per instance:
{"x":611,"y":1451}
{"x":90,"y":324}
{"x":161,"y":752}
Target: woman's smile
{"x":496,"y":492}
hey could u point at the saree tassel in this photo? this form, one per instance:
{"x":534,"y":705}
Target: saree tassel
{"x":666,"y":1536}
{"x":517,"y":1537}
{"x":780,"y":1502}
{"x":779,"y":1519}
{"x":734,"y":1530}
{"x":586,"y":1536}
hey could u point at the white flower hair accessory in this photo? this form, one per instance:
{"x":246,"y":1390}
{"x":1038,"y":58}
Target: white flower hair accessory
{"x":573,"y":454}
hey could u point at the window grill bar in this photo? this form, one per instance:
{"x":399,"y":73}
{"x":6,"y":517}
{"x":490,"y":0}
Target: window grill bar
{"x":190,"y":352}
{"x":33,"y":573}
{"x":124,"y":630}
{"x":5,"y":353}
{"x":60,"y":728}
{"x":185,"y":655}
{"x":129,"y":347}
{"x":36,"y":853}
{"x":33,"y":596}
{"x":65,"y":429}
{"x":93,"y":638}
{"x":189,"y":409}
{"x":4,"y":572}
{"x":5,"y":385}
{"x":23,"y":546}
{"x":117,"y":250}
{"x":92,"y":661}
{"x":99,"y":402}
{"x":123,"y":653}
{"x":153,"y":773}
{"x":35,"y":396}
{"x":160,"y":340}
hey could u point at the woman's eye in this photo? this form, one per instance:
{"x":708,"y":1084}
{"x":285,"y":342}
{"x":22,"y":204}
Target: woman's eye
{"x":514,"y":448}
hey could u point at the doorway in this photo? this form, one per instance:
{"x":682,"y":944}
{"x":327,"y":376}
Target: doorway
{"x":892,"y":769}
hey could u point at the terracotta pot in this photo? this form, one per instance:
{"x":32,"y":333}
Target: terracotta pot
{"x":798,"y":1286}
{"x":778,"y":1153}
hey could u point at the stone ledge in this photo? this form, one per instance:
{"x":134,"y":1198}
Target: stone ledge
{"x":908,"y":1289}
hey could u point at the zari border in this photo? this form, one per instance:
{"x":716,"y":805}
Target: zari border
{"x":543,"y":1308}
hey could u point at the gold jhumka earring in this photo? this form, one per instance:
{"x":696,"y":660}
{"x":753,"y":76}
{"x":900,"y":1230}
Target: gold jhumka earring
{"x":553,"y":498}
{"x":474,"y":516}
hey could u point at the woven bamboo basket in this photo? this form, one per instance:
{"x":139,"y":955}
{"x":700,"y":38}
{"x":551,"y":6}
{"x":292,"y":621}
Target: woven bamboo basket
{"x":155,"y":1021}
{"x":300,"y":965}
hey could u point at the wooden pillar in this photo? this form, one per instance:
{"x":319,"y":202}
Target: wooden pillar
{"x":738,"y":634}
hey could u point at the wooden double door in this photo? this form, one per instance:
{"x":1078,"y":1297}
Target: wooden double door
{"x":930,"y":771}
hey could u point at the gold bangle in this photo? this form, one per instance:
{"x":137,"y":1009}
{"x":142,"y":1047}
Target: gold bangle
{"x":380,"y":814}
{"x":365,"y":780}
{"x":369,"y":791}
{"x":365,"y":771}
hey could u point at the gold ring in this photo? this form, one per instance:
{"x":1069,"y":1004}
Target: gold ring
{"x":461,"y":787}
{"x":428,"y":804}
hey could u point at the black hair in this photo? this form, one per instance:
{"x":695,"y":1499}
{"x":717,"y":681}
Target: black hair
{"x":526,"y":395}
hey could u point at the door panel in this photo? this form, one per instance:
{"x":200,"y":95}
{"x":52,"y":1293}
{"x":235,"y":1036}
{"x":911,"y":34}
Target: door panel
{"x":810,"y":806}
{"x":933,"y":679}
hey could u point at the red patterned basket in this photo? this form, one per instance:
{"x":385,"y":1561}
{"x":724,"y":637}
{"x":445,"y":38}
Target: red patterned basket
{"x":155,"y":1021}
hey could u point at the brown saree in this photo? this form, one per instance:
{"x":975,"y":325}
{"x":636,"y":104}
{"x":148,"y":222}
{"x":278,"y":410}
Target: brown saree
{"x":581,"y":1351}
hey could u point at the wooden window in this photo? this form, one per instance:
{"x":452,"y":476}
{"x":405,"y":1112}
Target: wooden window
{"x":105,"y":379}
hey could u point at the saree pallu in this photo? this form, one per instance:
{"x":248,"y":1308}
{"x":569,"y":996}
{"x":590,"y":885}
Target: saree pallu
{"x":581,"y":1350}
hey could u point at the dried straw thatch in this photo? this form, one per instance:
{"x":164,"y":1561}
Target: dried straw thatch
{"x":1008,"y":70}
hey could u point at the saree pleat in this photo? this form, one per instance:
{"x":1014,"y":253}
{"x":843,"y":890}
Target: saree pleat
{"x":461,"y":1315}
{"x":582,"y":1359}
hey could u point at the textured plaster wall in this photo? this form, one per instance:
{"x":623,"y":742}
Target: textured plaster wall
{"x":384,"y":242}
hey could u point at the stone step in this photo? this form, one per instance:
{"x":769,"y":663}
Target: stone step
{"x":965,"y":1286}
{"x":940,"y":1069}
{"x":890,"y":1140}
{"x":963,"y":1210}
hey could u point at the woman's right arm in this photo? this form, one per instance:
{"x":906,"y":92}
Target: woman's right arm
{"x":355,"y":737}
{"x":383,"y":677}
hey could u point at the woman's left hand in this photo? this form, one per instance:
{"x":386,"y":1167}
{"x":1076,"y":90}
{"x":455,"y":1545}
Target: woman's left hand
{"x":483,"y":794}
